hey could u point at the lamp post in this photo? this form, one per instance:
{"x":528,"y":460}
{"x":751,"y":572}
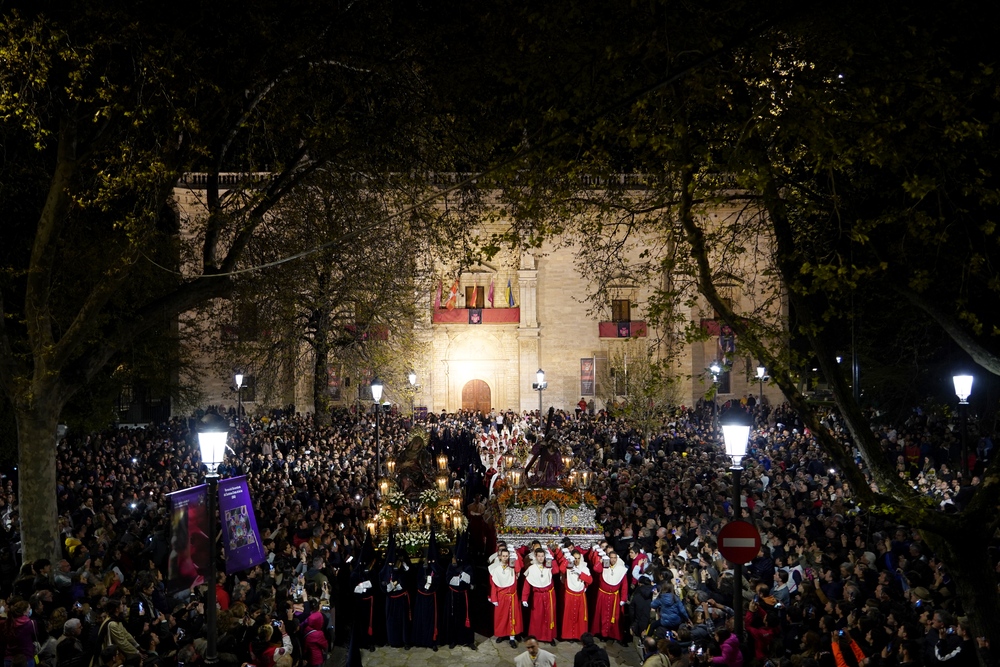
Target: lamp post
{"x":736,"y":437}
{"x":377,"y":387}
{"x":239,"y":396}
{"x":212,"y":435}
{"x":412,"y":377}
{"x":716,"y":370}
{"x":963,"y":389}
{"x":540,"y":386}
{"x":761,"y":374}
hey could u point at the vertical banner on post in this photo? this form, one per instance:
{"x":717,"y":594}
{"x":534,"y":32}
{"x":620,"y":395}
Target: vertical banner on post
{"x":189,"y":548}
{"x":240,"y":537}
{"x":587,"y":376}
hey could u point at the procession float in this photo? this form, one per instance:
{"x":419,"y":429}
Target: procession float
{"x":536,"y":492}
{"x":415,"y":495}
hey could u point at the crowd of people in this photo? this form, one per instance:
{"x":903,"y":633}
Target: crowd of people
{"x":831,"y":586}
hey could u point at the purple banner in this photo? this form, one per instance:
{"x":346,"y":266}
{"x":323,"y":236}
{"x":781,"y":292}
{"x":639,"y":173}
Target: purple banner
{"x":240,"y":537}
{"x":188,"y":562}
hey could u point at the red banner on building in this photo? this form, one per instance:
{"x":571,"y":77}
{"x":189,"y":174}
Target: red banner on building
{"x":587,"y":376}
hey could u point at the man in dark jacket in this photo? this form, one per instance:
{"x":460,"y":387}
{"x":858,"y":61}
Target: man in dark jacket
{"x":69,"y":649}
{"x":639,"y":603}
{"x":591,"y":655}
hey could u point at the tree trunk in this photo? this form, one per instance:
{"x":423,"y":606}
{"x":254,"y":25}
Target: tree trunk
{"x":37,"y":426}
{"x":321,"y":360}
{"x":967,"y":560}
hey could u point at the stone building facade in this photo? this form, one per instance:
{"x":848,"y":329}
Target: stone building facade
{"x":488,"y":358}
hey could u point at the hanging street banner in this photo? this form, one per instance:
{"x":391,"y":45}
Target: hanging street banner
{"x":587,"y":367}
{"x":240,"y":537}
{"x":189,"y":549}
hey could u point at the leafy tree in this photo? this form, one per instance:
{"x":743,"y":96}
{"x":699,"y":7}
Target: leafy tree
{"x":818,"y":161}
{"x":104,"y":106}
{"x":352,"y":302}
{"x":636,"y":383}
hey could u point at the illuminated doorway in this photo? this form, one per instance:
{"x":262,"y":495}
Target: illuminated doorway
{"x":476,"y":396}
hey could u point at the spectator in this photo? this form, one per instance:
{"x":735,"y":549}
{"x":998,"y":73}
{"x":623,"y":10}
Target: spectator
{"x":590,"y":655}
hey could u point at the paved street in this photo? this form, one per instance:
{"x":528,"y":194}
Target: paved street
{"x":489,"y":654}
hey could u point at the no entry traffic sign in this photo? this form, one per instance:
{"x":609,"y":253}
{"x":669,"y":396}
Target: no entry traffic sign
{"x":739,"y":542}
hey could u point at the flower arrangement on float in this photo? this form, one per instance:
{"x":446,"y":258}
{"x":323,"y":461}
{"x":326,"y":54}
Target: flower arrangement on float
{"x":535,"y":497}
{"x":552,"y":530}
{"x":411,"y":519}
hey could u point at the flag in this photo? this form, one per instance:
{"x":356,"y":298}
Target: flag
{"x":240,"y":536}
{"x":489,"y":295}
{"x":188,"y":564}
{"x":452,"y":296}
{"x":510,"y":295}
{"x":437,"y":298}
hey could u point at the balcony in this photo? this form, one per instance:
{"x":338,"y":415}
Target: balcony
{"x":467,"y":316}
{"x":633,"y":329}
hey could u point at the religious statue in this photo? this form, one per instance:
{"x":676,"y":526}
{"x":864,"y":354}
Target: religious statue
{"x":416,"y":469}
{"x":545,"y":452}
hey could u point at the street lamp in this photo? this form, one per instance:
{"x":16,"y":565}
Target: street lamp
{"x":377,"y":387}
{"x":213,"y":433}
{"x":412,"y":377}
{"x":239,"y":396}
{"x":761,"y":374}
{"x":963,"y":389}
{"x":540,"y":386}
{"x":716,"y":370}
{"x":736,"y":437}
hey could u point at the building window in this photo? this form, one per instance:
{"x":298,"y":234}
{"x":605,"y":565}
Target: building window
{"x":475,"y":296}
{"x":621,"y":310}
{"x":249,"y":391}
{"x":724,"y":383}
{"x":248,"y":326}
{"x":716,"y":315}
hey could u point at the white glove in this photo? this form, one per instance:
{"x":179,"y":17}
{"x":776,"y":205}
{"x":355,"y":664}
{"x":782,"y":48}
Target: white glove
{"x":622,"y":603}
{"x":496,"y":604}
{"x":466,"y":578}
{"x":454,"y":581}
{"x":524,"y":604}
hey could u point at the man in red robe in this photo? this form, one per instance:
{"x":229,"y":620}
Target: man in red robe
{"x":612,"y":593}
{"x":577,"y":579}
{"x":507,"y":621}
{"x":538,"y":594}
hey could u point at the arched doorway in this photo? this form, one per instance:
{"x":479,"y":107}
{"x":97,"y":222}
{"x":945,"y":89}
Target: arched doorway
{"x":476,"y":396}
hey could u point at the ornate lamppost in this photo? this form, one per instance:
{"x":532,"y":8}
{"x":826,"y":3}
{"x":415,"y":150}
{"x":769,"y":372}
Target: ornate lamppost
{"x":963,"y":389}
{"x":213,"y":434}
{"x":540,"y":385}
{"x":239,"y":396}
{"x":736,"y":437}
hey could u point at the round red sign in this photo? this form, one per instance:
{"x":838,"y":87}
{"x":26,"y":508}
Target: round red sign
{"x":739,"y":542}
